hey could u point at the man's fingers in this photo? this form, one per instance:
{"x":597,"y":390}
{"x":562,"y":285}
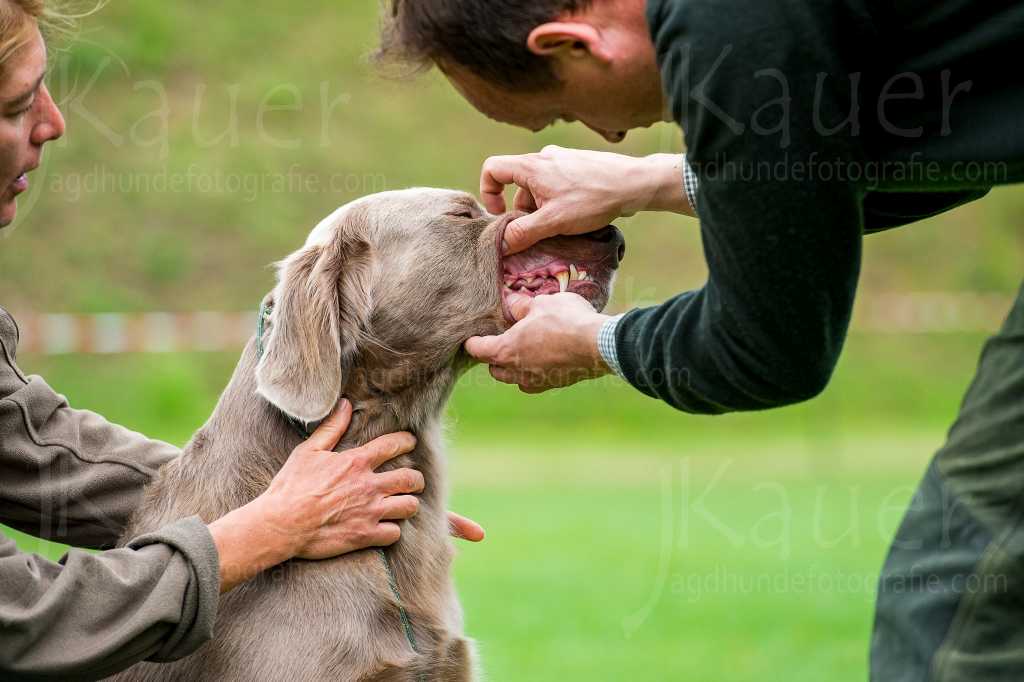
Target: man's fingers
{"x":524,"y":201}
{"x":483,"y":348}
{"x":332,"y":428}
{"x":519,"y":305}
{"x":388,"y":447}
{"x":463,"y":528}
{"x":506,"y":376}
{"x":496,"y":174}
{"x":401,"y":481}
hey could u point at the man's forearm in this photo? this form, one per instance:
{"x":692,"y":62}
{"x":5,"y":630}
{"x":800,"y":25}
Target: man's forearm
{"x":676,"y":192}
{"x":666,"y":188}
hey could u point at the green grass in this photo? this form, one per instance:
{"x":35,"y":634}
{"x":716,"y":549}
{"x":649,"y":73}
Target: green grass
{"x":577,"y":582}
{"x":629,"y":541}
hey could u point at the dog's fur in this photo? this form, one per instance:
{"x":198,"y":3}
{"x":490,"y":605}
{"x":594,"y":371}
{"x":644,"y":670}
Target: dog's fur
{"x":375,"y":307}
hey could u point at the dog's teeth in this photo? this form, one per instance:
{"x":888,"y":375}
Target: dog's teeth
{"x":583,"y":275}
{"x":573,"y":272}
{"x":563,"y":280}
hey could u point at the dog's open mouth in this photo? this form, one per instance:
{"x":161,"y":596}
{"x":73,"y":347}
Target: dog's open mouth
{"x":582,"y":264}
{"x":539,"y":274}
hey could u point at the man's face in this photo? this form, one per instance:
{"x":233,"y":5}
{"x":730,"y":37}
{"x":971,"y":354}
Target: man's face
{"x":607,"y":102}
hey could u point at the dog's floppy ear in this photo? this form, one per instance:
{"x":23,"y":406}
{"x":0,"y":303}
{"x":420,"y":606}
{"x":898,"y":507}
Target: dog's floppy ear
{"x":320,"y":304}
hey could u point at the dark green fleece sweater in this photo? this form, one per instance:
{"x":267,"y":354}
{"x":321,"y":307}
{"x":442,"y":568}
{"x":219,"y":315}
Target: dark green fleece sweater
{"x":810,"y":123}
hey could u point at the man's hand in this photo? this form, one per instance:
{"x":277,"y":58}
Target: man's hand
{"x":570,"y":191}
{"x":553,"y":344}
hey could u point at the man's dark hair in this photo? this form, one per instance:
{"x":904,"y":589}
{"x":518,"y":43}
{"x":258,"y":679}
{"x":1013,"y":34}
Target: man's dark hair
{"x":486,"y":37}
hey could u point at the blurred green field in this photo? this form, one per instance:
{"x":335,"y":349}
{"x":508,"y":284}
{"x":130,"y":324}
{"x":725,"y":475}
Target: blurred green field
{"x":626,"y":541}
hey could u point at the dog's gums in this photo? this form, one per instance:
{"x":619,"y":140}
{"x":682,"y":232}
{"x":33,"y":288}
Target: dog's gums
{"x":580,"y":264}
{"x":548,"y":278}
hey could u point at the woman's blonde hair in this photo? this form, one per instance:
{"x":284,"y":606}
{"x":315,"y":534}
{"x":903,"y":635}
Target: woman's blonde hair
{"x":20,"y":18}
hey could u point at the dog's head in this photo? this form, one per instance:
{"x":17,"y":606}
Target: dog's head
{"x":387,"y":288}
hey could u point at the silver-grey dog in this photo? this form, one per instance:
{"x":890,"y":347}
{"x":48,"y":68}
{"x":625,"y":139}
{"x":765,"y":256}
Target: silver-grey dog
{"x":375,"y":307}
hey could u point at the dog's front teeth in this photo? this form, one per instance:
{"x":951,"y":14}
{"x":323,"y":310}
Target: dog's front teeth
{"x":573,"y":272}
{"x":563,"y":280}
{"x":583,"y":275}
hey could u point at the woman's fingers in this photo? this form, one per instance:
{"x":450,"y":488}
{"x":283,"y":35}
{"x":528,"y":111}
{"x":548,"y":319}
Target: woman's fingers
{"x":463,"y":528}
{"x":399,"y":507}
{"x":386,"y":448}
{"x":332,"y":428}
{"x":401,"y":481}
{"x":386,"y":533}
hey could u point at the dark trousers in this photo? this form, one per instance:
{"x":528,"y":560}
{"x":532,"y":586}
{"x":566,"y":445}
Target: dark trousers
{"x":951,"y":594}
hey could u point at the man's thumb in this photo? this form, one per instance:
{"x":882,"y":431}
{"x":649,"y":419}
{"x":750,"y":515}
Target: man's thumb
{"x":482,"y":347}
{"x":524,"y":232}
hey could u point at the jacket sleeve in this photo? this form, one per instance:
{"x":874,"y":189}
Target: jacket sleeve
{"x":92,"y":615}
{"x":782,"y":243}
{"x":68,"y":475}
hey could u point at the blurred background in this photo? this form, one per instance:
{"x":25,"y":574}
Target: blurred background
{"x":626,"y":540}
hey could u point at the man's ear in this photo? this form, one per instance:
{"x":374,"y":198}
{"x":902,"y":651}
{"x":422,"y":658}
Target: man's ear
{"x":321,"y":302}
{"x":567,"y":39}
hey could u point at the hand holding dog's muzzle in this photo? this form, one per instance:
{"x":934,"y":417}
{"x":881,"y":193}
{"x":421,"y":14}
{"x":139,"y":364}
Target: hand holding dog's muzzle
{"x":553,"y":344}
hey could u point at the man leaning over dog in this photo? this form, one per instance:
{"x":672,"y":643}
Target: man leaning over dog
{"x":808,"y":123}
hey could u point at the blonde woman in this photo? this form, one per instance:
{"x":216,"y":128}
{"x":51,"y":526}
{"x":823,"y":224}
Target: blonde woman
{"x":71,"y":476}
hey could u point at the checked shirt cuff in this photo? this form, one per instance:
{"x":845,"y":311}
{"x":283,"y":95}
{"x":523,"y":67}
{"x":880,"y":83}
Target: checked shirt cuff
{"x":690,"y":184}
{"x":606,"y":345}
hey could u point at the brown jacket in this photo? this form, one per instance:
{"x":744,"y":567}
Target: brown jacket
{"x":69,"y":475}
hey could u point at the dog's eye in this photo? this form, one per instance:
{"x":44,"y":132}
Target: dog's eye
{"x":461,"y":214}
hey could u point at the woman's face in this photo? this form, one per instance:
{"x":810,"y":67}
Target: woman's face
{"x":28,"y":120}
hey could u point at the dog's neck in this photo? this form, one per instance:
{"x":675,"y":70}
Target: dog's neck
{"x":414,"y":407}
{"x":253,"y":438}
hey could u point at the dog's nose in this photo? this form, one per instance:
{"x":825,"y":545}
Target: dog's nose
{"x":612,"y":236}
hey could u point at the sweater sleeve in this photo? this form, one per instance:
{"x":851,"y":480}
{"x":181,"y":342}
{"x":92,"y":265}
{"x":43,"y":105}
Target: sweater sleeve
{"x":68,"y":475}
{"x":885,"y":210}
{"x":92,"y":615}
{"x":782,"y":241}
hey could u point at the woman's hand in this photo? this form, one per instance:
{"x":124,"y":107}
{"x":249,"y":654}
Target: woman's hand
{"x":571,"y":191}
{"x":464,"y":529}
{"x":332,"y":503}
{"x":323,"y":504}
